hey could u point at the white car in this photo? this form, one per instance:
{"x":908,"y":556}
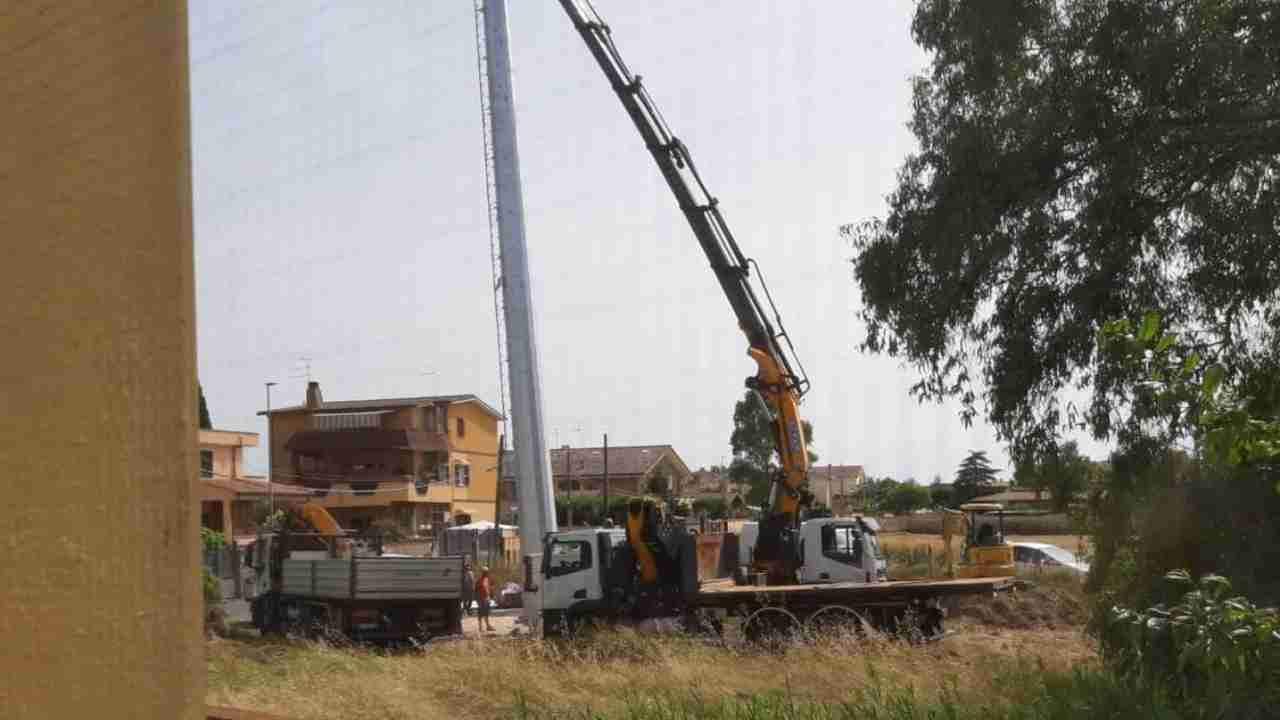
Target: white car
{"x":1033,"y":555}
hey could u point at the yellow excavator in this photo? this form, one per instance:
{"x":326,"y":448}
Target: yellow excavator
{"x":985,"y":553}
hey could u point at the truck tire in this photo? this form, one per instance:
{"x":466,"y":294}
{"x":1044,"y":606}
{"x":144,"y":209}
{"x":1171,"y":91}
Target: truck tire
{"x":771,"y":627}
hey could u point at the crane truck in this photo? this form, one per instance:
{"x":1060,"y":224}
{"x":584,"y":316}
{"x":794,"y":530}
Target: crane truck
{"x":797,"y":573}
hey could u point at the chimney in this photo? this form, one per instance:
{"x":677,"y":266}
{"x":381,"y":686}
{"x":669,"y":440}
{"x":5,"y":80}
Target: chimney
{"x":315,"y":400}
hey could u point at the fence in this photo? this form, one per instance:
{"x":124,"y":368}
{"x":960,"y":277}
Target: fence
{"x":224,"y":564}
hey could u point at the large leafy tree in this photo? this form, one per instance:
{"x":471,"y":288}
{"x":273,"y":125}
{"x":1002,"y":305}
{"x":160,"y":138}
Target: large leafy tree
{"x":1079,"y":160}
{"x":907,"y":497}
{"x":754,"y":447}
{"x":1063,"y":472}
{"x":974,"y":477}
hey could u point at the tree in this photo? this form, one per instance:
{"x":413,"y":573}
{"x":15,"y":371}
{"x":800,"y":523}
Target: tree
{"x":973,"y":478}
{"x":1078,"y":161}
{"x":205,"y":422}
{"x":939,"y":495}
{"x":754,"y":450}
{"x":907,"y":497}
{"x":1063,"y":472}
{"x":876,"y":492}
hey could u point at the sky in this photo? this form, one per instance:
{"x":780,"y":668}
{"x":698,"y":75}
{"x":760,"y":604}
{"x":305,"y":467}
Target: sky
{"x":341,"y":225}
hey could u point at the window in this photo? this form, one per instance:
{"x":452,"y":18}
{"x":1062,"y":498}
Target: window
{"x":462,"y":428}
{"x":462,"y":475}
{"x":364,"y":488}
{"x":430,"y":414}
{"x":842,"y":543}
{"x":206,"y":463}
{"x":565,"y":557}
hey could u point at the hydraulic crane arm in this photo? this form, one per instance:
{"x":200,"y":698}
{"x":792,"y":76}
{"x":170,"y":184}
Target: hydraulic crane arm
{"x":780,"y":379}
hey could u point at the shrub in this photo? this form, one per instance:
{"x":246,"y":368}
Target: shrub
{"x":1212,"y":650}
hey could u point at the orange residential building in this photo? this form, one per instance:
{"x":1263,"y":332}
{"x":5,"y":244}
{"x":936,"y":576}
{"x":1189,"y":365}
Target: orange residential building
{"x":416,"y":462}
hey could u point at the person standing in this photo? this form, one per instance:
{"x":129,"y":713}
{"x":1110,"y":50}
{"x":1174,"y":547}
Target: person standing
{"x":484,"y":590}
{"x":468,"y":586}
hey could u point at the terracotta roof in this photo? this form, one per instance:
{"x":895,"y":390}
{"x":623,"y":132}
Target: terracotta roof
{"x":255,"y":488}
{"x":365,"y":439}
{"x":388,"y":404}
{"x":623,"y":460}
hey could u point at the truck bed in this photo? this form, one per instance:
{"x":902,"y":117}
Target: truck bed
{"x":723,"y":593}
{"x":375,"y":578}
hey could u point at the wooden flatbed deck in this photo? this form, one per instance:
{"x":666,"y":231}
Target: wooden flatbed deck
{"x":724,"y":592}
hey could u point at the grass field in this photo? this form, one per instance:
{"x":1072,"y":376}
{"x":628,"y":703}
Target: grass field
{"x":611,"y":675}
{"x":491,"y":677}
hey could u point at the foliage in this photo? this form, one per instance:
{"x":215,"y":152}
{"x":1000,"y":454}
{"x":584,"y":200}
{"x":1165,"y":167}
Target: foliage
{"x":266,"y":519}
{"x":754,"y":447}
{"x":713,"y":507}
{"x":210,"y":585}
{"x":940,"y":496}
{"x":212,"y":539}
{"x":1216,"y":651}
{"x":1211,"y":509}
{"x":875,"y":493}
{"x":905,"y":498}
{"x":1061,"y":471}
{"x":974,"y":477}
{"x":205,"y":422}
{"x":1078,"y":160}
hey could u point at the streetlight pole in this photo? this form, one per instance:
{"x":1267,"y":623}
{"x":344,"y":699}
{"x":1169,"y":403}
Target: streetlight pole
{"x":271,"y":495}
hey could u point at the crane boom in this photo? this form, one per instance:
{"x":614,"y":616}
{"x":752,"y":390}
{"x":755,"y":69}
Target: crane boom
{"x":780,"y":379}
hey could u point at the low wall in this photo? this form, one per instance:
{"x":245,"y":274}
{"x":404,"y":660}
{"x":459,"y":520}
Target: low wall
{"x":931,"y":523}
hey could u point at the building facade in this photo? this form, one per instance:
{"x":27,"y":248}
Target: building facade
{"x":417,"y":462}
{"x":229,"y":499}
{"x":837,"y":486}
{"x":632,"y":469}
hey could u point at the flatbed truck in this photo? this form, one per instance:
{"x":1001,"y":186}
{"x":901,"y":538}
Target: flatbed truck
{"x":590,"y":576}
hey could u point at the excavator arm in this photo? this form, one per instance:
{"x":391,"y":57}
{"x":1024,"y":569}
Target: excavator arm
{"x":779,"y":380}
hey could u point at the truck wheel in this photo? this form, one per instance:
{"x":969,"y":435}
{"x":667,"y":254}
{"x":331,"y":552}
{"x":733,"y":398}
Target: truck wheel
{"x":836,"y":621}
{"x":771,"y":627}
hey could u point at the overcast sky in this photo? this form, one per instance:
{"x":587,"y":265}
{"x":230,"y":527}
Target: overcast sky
{"x":340,"y":214}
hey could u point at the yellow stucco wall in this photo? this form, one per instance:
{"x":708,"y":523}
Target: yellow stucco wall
{"x":479,"y":445}
{"x":100,"y":608}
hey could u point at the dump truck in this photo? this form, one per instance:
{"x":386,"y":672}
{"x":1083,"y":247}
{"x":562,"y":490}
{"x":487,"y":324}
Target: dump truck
{"x":320,"y":580}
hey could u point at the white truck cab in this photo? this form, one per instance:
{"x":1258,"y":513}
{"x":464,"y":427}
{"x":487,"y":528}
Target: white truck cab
{"x":832,"y":550}
{"x":571,"y":566}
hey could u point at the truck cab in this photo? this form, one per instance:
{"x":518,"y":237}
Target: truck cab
{"x":572,"y":566}
{"x":831,"y":550}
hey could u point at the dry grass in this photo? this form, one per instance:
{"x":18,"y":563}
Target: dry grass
{"x":485,"y":678}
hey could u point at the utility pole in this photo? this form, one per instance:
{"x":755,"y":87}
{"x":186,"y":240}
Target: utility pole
{"x":605,"y":485}
{"x":568,"y":505}
{"x":532,"y":462}
{"x":271,"y":493}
